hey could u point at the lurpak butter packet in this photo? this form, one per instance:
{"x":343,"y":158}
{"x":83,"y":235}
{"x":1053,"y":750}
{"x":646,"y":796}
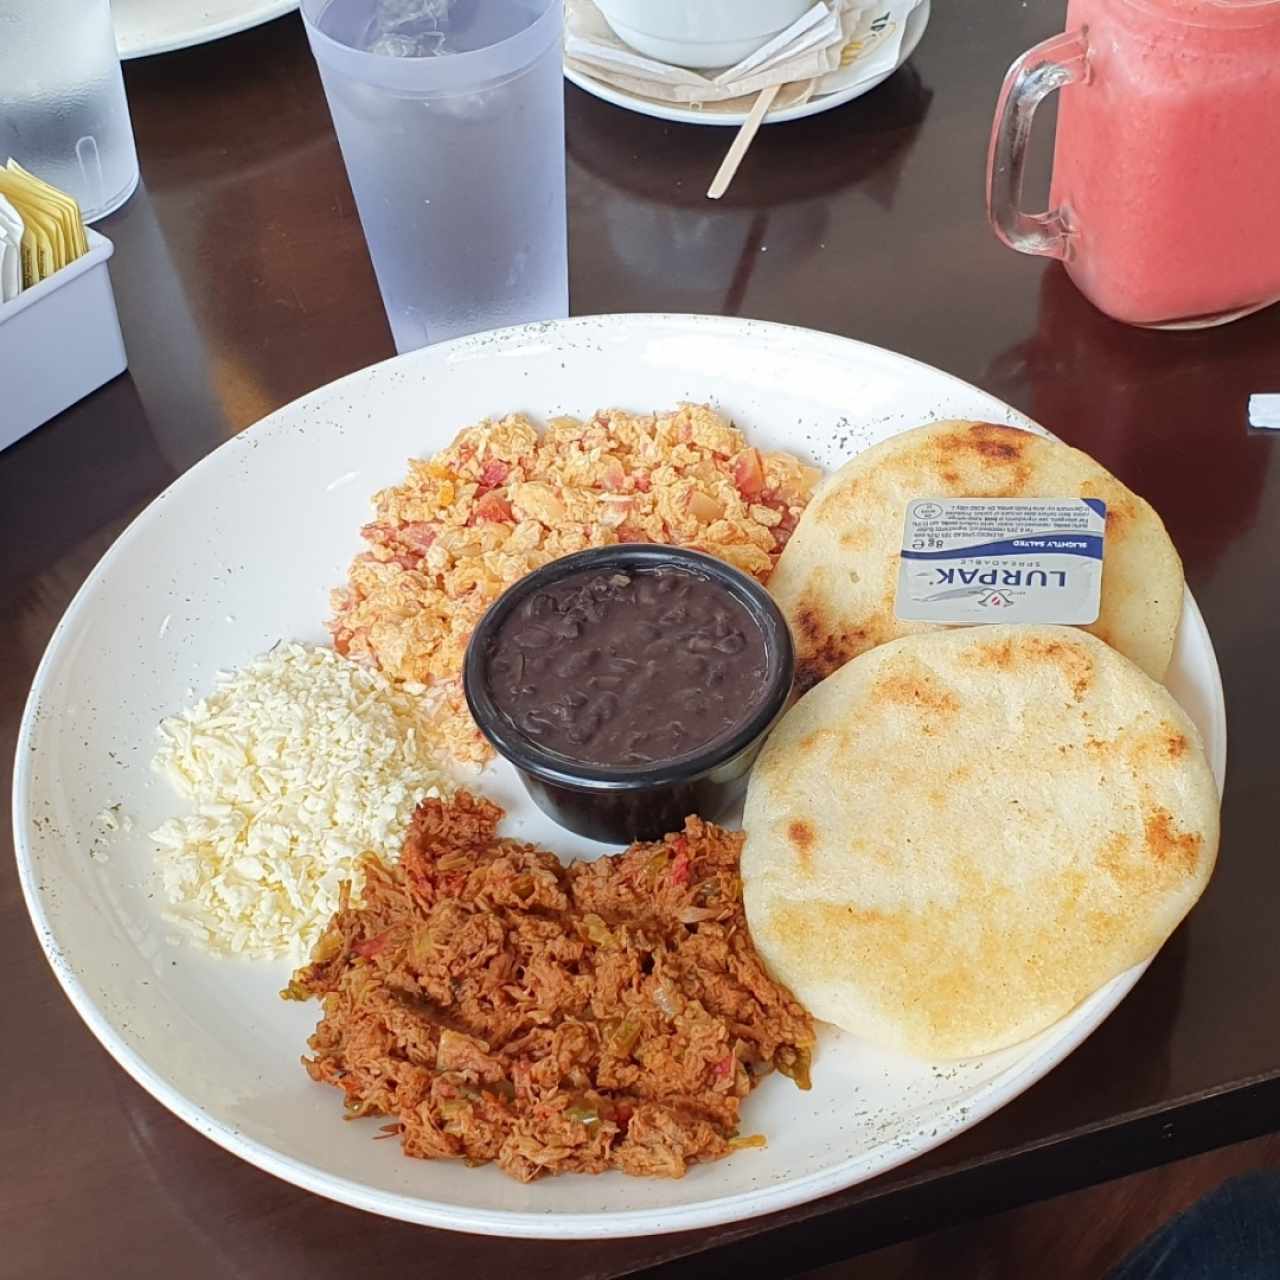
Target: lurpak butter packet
{"x":972,"y":560}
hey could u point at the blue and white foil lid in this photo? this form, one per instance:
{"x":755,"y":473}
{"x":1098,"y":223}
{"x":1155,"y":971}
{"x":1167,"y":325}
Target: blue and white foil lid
{"x":975,"y":560}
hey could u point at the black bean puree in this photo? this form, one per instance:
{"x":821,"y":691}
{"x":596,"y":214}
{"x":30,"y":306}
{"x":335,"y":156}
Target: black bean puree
{"x":628,"y":668}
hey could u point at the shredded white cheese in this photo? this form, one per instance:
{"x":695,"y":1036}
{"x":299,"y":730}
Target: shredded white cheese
{"x":295,"y":765}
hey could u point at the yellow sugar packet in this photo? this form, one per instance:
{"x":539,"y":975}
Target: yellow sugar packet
{"x":43,"y":197}
{"x":40,"y":212}
{"x":43,"y":231}
{"x":72,"y":219}
{"x":48,"y":242}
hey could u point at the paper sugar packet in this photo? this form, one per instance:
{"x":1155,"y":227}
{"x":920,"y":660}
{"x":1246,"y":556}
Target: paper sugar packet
{"x":65,"y":205}
{"x":52,"y":233}
{"x":12,"y":230}
{"x":1264,"y":411}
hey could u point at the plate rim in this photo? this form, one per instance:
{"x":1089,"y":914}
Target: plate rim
{"x":255,"y":15}
{"x":953,"y":1119}
{"x":674,"y":114}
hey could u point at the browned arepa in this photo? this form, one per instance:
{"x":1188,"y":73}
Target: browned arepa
{"x":838,"y":576}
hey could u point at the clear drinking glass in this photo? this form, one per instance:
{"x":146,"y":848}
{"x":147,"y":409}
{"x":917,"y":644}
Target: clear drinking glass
{"x":1166,"y":170}
{"x":63,"y":111}
{"x":450,"y":116}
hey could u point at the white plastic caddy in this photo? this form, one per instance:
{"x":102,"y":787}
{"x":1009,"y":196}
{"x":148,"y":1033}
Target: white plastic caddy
{"x":59,"y":340}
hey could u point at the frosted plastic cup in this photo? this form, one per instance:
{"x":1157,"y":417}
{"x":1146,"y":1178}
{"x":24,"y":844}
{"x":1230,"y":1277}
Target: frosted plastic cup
{"x":457,"y":160}
{"x":63,"y":112}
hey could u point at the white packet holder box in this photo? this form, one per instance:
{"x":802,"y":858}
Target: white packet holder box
{"x":59,"y":340}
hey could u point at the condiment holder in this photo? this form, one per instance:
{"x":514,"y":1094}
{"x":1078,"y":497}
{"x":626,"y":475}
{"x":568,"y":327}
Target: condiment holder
{"x":638,"y":802}
{"x":59,"y":340}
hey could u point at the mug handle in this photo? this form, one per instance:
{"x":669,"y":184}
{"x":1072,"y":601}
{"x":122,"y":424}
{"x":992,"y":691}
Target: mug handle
{"x":1052,"y":64}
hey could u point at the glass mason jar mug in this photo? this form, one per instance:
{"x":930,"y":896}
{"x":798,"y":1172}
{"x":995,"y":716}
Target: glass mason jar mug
{"x":1166,"y":174}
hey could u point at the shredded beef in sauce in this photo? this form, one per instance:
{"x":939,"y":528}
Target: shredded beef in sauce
{"x":500,"y":1005}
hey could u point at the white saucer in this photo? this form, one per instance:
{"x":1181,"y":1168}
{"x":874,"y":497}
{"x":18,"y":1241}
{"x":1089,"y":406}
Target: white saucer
{"x":144,"y":27}
{"x":916,"y":24}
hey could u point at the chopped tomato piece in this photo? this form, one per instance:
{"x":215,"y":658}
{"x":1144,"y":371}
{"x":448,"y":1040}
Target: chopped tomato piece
{"x":419,"y":535}
{"x":376,"y":532}
{"x":371,"y":946}
{"x":613,"y":478}
{"x":680,"y":864}
{"x":748,"y":472}
{"x":724,"y":1068}
{"x":492,"y":507}
{"x":494,"y":474}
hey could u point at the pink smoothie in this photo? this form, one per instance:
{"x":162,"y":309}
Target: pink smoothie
{"x":1169,"y":158}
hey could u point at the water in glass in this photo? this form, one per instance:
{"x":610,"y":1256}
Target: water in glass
{"x":460,"y":180}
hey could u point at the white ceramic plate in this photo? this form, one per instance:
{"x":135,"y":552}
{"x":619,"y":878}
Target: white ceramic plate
{"x":240,"y":552}
{"x":145,"y":27}
{"x":916,"y":23}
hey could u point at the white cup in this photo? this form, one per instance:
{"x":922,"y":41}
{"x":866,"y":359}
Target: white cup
{"x":700,"y":33}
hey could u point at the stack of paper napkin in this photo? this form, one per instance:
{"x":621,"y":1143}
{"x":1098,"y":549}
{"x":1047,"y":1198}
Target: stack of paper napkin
{"x":836,"y":45}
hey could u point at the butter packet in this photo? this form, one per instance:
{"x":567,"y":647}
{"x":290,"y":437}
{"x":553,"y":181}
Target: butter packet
{"x":974,"y":560}
{"x":12,"y":230}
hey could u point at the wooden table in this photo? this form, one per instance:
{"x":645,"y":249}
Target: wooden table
{"x":242,"y":281}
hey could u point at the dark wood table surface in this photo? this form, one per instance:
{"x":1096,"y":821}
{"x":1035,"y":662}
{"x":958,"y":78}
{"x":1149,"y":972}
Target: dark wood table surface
{"x":243,"y":282}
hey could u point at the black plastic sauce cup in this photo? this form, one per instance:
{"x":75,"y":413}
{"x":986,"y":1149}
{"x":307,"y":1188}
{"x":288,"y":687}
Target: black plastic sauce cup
{"x":616,"y":803}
